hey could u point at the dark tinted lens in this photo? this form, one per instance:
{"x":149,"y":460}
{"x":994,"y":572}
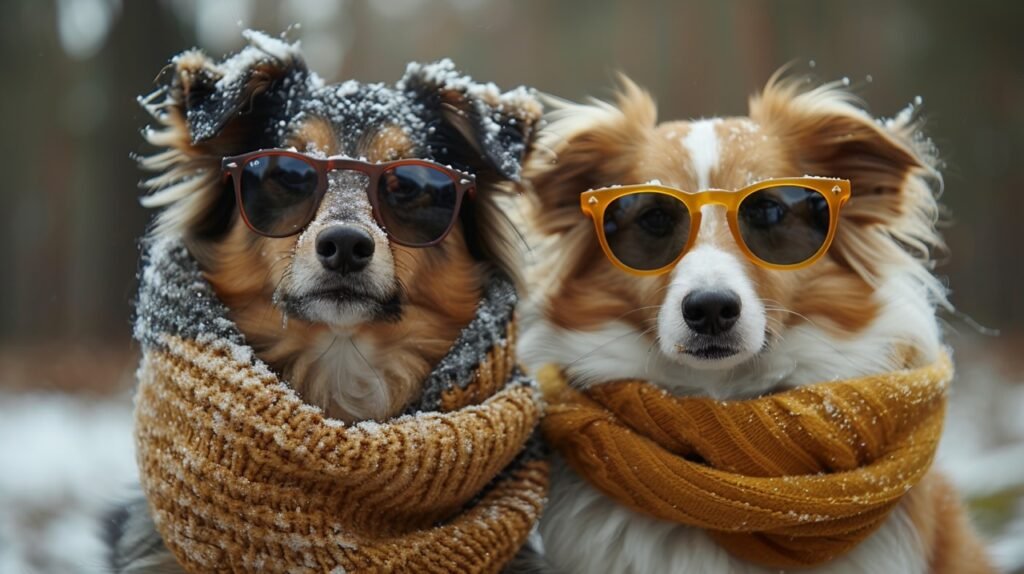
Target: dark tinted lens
{"x":784,"y":225}
{"x":278,"y":193}
{"x":646,"y":231}
{"x":417,"y":203}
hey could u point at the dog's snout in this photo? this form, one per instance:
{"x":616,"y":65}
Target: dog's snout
{"x":711,"y":312}
{"x":344,"y":248}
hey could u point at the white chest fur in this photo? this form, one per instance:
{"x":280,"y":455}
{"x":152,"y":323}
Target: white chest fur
{"x":338,"y":375}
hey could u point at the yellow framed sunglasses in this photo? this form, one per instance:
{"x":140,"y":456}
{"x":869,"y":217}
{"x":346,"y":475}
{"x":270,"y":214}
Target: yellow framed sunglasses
{"x":783,"y":223}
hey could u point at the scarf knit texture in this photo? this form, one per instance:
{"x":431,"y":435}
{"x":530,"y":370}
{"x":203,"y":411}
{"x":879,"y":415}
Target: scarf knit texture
{"x":242,"y":476}
{"x":792,"y":479}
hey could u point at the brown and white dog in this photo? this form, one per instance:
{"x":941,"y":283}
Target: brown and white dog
{"x":861,"y":309}
{"x":351,"y":319}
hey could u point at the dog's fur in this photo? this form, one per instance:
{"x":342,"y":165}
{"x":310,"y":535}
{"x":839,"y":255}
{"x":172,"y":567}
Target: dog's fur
{"x":866,"y":307}
{"x":357,"y":345}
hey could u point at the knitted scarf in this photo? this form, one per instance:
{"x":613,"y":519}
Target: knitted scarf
{"x":242,"y":476}
{"x":786,"y":480}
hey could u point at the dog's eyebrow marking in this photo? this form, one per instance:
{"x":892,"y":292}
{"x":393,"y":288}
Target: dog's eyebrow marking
{"x":702,"y":144}
{"x":389,"y":143}
{"x":317,"y":134}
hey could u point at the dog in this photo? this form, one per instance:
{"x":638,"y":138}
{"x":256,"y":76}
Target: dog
{"x":337,"y":286}
{"x":716,"y":324}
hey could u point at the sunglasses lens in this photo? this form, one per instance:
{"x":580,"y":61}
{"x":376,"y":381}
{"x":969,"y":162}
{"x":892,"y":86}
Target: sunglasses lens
{"x":417,"y":203}
{"x":784,"y":225}
{"x":646,"y":231}
{"x":278,"y":194}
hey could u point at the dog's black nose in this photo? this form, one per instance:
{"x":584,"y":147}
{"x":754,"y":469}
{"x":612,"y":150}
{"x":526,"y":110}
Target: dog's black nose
{"x":711,"y":312}
{"x":344,"y":248}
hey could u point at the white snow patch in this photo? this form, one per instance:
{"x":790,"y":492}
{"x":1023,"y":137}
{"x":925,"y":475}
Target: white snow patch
{"x":63,"y":463}
{"x":260,"y":47}
{"x":347,"y":88}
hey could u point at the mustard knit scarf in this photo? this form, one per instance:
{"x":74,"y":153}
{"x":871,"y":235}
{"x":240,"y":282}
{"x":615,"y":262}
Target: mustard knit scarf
{"x":242,"y":476}
{"x":786,"y":480}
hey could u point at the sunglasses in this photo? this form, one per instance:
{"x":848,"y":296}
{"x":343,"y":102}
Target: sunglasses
{"x":416,"y":202}
{"x":779,"y":223}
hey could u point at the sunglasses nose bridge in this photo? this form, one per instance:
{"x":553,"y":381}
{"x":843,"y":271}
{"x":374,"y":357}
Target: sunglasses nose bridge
{"x":710,"y":197}
{"x":711,"y":225}
{"x":709,"y":206}
{"x":335,"y":164}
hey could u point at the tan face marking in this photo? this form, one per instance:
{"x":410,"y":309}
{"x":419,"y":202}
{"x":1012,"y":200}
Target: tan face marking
{"x":388,"y":144}
{"x":315,"y":134}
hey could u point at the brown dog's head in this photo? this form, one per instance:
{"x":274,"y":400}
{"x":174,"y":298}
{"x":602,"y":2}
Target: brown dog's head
{"x":848,"y":311}
{"x":341,"y":276}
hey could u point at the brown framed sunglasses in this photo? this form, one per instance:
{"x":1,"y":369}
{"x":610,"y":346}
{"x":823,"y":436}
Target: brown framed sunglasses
{"x":778,"y":223}
{"x":415,"y":201}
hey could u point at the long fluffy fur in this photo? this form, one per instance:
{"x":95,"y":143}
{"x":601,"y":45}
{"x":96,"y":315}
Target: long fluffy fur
{"x":369,"y":363}
{"x":867,"y":307}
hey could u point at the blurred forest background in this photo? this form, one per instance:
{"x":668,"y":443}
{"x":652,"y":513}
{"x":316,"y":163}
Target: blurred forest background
{"x":70,"y":216}
{"x":74,"y":68}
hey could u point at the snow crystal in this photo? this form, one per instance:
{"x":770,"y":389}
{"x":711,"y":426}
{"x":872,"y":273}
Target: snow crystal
{"x":260,"y":47}
{"x":347,"y":88}
{"x":830,"y":178}
{"x":370,"y":428}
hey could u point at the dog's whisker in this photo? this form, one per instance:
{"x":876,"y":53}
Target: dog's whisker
{"x":602,"y":346}
{"x":329,"y":347}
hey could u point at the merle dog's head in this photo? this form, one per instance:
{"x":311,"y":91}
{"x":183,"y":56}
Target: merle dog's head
{"x":342,"y":269}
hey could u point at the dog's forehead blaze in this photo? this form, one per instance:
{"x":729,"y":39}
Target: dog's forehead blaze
{"x":736,"y":152}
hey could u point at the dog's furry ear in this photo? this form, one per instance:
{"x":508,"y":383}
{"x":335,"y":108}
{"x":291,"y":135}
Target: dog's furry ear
{"x":206,"y":110}
{"x":490,"y":133}
{"x":237,"y":99}
{"x":473,"y":125}
{"x":585,"y":146}
{"x":892,"y":168}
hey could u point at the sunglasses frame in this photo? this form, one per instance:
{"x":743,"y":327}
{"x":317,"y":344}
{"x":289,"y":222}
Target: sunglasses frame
{"x":232,"y":166}
{"x":836,"y":193}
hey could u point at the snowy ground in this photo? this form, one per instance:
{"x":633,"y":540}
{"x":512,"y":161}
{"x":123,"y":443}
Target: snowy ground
{"x":65,"y":460}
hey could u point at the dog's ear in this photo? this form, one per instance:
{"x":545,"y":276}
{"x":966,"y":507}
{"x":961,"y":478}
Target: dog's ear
{"x":585,"y":146}
{"x":206,"y":110}
{"x":891,"y":166}
{"x":482,"y":130}
{"x":472,"y":125}
{"x":236,"y":103}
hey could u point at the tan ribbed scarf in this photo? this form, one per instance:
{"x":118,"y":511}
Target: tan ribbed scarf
{"x":786,"y":480}
{"x":242,"y":476}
